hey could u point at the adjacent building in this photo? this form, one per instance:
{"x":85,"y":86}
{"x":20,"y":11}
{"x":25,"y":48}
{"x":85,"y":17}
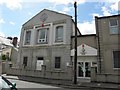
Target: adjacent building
{"x":86,"y":55}
{"x":108,"y":42}
{"x":5,"y":44}
{"x":8,"y":51}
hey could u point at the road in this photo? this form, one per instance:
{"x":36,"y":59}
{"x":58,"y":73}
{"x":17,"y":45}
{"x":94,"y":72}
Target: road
{"x":23,"y":85}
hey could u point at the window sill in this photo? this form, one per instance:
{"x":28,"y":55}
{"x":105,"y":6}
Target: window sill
{"x":57,"y":69}
{"x":42,"y":43}
{"x":116,"y":68}
{"x":58,"y":41}
{"x":114,"y":33}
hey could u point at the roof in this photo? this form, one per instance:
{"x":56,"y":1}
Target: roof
{"x":57,"y":12}
{"x":53,"y":12}
{"x":107,"y":16}
{"x":5,"y":41}
{"x":46,"y":10}
{"x":87,"y":35}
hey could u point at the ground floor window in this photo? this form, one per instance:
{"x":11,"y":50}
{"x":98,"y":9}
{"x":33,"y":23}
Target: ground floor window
{"x":25,"y":60}
{"x":57,"y":62}
{"x":116,"y":58}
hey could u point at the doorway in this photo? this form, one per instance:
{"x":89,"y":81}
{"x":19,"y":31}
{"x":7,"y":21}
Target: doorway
{"x":39,"y":63}
{"x":84,"y":69}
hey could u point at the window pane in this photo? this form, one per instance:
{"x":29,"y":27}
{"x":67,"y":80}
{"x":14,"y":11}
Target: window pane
{"x":113,"y":22}
{"x":59,"y":33}
{"x":27,"y":38}
{"x":87,"y":69}
{"x":25,"y":61}
{"x":116,"y":56}
{"x":57,"y":62}
{"x":114,"y":30}
{"x":80,"y":69}
{"x":42,"y":34}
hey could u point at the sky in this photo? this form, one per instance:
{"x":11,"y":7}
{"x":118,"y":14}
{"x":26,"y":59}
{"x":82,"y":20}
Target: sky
{"x":14,"y":13}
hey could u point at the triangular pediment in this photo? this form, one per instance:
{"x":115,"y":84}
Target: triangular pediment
{"x":46,"y":16}
{"x":85,"y":50}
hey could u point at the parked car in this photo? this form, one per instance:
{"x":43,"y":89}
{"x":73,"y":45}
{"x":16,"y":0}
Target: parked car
{"x":6,"y":84}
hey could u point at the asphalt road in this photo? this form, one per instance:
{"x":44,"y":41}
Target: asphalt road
{"x":24,"y":85}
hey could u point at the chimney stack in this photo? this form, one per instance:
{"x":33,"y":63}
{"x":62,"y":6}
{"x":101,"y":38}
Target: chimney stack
{"x":15,"y":41}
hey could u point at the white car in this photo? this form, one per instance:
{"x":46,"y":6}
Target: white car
{"x":6,"y":84}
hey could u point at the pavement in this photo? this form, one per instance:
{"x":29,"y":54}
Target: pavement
{"x":10,"y":77}
{"x":109,"y":86}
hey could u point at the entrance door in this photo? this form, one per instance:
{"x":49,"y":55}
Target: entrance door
{"x":39,"y":63}
{"x":84,"y":69}
{"x":80,"y":69}
{"x":87,"y":69}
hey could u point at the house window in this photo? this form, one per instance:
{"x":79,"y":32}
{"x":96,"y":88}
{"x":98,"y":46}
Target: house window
{"x":113,"y":25}
{"x":25,"y":59}
{"x":42,"y":35}
{"x":59,"y":34}
{"x":113,"y":22}
{"x":116,"y":57}
{"x":27,"y":37}
{"x":57,"y":62}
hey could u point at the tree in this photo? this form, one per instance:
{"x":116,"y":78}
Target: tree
{"x":3,"y":57}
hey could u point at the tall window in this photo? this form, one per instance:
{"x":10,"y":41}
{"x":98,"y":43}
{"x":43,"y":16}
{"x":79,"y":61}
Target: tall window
{"x":25,"y":61}
{"x":42,"y":35}
{"x":113,"y":25}
{"x":57,"y":62}
{"x":27,"y":37}
{"x":59,"y":34}
{"x":116,"y":57}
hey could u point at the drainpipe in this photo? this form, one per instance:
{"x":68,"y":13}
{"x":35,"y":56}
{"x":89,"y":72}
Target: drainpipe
{"x":98,"y":36}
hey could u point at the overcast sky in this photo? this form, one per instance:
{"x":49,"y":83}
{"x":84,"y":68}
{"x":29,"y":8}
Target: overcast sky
{"x":14,"y":13}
